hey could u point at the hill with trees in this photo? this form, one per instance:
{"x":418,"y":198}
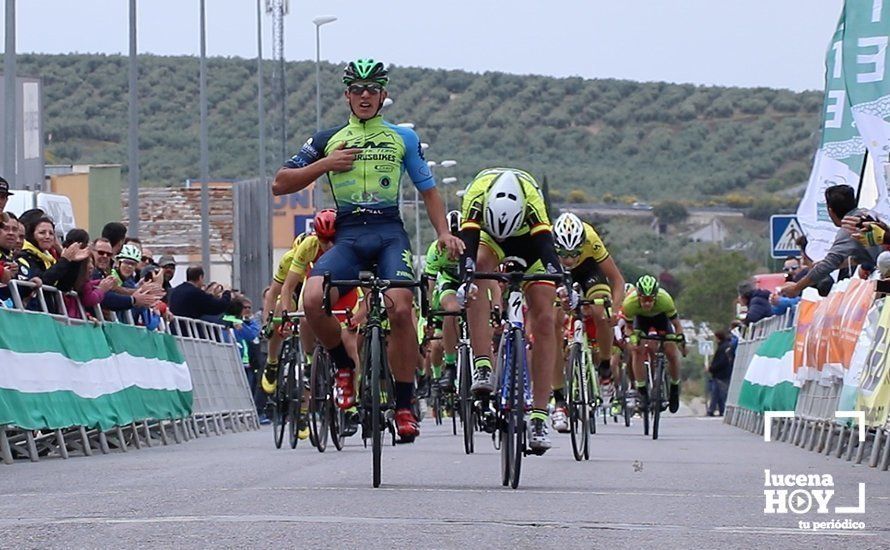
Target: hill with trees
{"x":591,"y":139}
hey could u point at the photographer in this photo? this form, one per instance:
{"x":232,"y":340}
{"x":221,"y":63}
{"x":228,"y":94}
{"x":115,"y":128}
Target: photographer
{"x":841,"y":202}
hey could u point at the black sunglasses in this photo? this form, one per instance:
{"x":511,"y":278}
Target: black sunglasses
{"x":358,"y":89}
{"x":790,"y":269}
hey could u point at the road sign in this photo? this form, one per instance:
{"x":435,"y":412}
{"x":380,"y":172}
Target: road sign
{"x":784,"y":230}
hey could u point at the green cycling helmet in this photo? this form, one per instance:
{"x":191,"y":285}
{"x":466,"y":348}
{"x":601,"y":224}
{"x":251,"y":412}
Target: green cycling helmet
{"x":647,"y":285}
{"x":365,"y":70}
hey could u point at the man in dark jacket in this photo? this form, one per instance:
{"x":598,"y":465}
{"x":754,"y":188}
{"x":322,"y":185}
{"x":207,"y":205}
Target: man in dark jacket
{"x":721,"y":372}
{"x":757,"y":302}
{"x":190,"y":300}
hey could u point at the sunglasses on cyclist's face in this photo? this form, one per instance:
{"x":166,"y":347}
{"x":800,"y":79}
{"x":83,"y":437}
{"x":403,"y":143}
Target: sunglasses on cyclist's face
{"x":371,"y":87}
{"x":562,"y":253}
{"x":790,"y":268}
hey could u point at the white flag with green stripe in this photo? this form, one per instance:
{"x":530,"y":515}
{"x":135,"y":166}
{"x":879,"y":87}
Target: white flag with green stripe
{"x":54,"y":375}
{"x":769,"y":380}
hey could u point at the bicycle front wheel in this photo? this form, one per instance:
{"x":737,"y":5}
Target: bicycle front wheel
{"x":579,"y":415}
{"x":294,"y":392}
{"x":466,"y":399}
{"x":375,"y":372}
{"x":320,"y":398}
{"x":657,"y":399}
{"x":517,"y":407}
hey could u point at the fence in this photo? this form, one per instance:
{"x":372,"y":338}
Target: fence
{"x":122,"y":386}
{"x":819,"y":421}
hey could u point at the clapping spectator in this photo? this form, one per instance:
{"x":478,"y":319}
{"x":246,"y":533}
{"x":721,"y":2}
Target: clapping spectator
{"x":126,"y":293}
{"x":115,"y":233}
{"x":168,"y":265}
{"x":38,"y":261}
{"x":102,"y":255}
{"x":757,"y":302}
{"x":8,"y":239}
{"x":190,"y":300}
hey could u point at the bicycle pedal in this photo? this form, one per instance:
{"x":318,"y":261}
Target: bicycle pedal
{"x":536,"y":452}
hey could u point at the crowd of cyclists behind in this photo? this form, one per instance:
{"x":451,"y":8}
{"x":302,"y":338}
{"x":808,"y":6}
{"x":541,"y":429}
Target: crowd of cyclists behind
{"x":502,"y":225}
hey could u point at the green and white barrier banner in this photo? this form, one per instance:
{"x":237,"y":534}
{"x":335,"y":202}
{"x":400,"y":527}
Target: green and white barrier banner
{"x":54,"y":375}
{"x":840,"y":156}
{"x":866,"y":37}
{"x":769,"y":380}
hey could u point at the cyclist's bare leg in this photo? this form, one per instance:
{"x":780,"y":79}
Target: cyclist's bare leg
{"x":603,"y":331}
{"x":449,"y":328}
{"x":403,"y":353}
{"x":307,"y":337}
{"x":437,"y":351}
{"x":558,"y":377}
{"x":540,"y":318}
{"x":479,"y":310}
{"x":673,"y":357}
{"x":326,"y":327}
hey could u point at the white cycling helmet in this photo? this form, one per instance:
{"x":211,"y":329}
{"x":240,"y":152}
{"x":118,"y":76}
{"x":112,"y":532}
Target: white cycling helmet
{"x":568,"y":231}
{"x":454,"y":219}
{"x":505,"y":206}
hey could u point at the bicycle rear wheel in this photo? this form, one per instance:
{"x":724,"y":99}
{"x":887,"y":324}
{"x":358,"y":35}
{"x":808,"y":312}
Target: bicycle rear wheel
{"x":625,"y":383}
{"x":579,"y":413}
{"x":320,"y":398}
{"x":657,"y":398}
{"x":520,"y":383}
{"x":507,"y":422}
{"x":466,"y":399}
{"x":294,"y":395}
{"x":375,"y":372}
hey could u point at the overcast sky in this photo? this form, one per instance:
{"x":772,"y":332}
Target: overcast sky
{"x":774,"y":43}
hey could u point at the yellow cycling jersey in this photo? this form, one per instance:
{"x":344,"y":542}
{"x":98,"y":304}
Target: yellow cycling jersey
{"x":287,"y":259}
{"x":592,"y":247}
{"x":308,"y":251}
{"x":473,"y":207}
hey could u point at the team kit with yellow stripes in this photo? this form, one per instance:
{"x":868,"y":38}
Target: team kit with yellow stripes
{"x":498,"y":265}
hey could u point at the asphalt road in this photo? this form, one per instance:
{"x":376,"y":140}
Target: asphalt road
{"x":700,"y":485}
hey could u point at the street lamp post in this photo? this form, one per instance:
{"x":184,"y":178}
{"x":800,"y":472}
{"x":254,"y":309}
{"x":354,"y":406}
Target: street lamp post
{"x":318,"y":22}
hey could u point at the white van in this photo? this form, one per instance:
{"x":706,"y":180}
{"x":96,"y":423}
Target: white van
{"x":57,"y":207}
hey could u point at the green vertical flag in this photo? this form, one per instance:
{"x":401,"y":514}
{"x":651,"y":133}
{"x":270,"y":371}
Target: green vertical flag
{"x":840,"y":156}
{"x":866,"y":35}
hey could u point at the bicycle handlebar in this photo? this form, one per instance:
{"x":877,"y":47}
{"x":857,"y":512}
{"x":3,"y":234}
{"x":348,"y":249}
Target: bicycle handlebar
{"x":368,"y":279}
{"x":516,"y":277}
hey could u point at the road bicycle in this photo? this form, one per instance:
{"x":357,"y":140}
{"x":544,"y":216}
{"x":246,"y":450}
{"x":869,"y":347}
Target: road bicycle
{"x":285,"y":401}
{"x":581,"y":383}
{"x":376,"y":395}
{"x":657,"y":373}
{"x":324,"y":416}
{"x":513,"y":392}
{"x":463,"y":404}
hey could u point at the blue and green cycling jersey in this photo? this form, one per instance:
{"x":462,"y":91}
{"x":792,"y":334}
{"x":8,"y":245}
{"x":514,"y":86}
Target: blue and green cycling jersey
{"x":440,"y":266}
{"x":369,"y":192}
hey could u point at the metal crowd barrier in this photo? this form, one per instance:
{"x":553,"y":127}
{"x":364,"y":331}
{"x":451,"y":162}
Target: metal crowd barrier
{"x":814,"y":426}
{"x":222,"y":396}
{"x":222,"y":399}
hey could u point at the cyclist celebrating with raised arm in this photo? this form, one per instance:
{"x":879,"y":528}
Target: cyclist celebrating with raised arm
{"x":364,"y":160}
{"x":504,"y":211}
{"x":582,"y":252}
{"x":652,"y":308}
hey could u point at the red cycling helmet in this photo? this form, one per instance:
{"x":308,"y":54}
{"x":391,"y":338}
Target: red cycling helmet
{"x":324,"y":224}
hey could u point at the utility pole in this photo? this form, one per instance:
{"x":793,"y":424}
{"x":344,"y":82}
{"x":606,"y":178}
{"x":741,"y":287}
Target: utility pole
{"x":278,"y":9}
{"x":133,"y":133}
{"x":9,"y":108}
{"x":205,"y":169}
